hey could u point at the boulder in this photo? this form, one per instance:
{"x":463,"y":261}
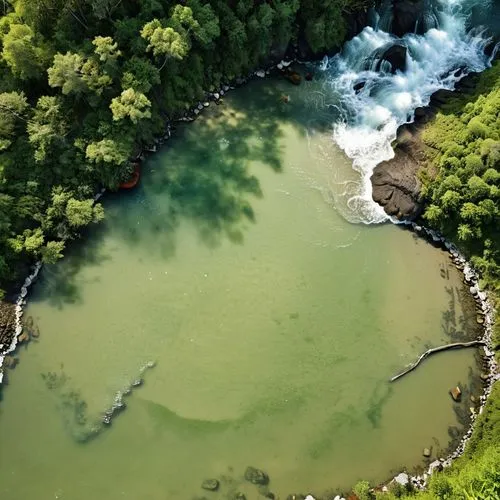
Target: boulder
{"x":210,"y":485}
{"x":395,"y":54}
{"x":395,"y":185}
{"x":402,"y":479}
{"x":406,"y":13}
{"x":456,"y":394}
{"x":426,"y":453}
{"x":256,"y":476}
{"x":239,"y":496}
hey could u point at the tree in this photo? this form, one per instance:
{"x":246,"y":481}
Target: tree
{"x":52,"y":252}
{"x":82,"y":213}
{"x":131,"y":104}
{"x":140,"y":75}
{"x":13,"y":106}
{"x":164,"y":42}
{"x":48,"y":127}
{"x":66,"y":73}
{"x":106,"y":49}
{"x":20,"y":52}
{"x":107,"y":151}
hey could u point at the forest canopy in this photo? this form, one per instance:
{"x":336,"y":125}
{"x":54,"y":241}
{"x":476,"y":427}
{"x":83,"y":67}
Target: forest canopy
{"x":86,"y":83}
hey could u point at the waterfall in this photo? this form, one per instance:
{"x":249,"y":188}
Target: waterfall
{"x":374,"y":101}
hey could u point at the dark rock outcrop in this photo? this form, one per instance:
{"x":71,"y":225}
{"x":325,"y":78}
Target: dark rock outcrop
{"x":406,"y":14}
{"x":396,"y":56}
{"x":395,"y":184}
{"x":7,"y":324}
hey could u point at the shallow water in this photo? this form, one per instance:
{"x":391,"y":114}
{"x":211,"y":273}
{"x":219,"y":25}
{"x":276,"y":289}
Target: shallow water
{"x":274,"y":324}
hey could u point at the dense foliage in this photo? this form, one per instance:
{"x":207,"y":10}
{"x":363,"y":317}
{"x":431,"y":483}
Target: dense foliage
{"x":462,"y":185}
{"x":85,"y":83}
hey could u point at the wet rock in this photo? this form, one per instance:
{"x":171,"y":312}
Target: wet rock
{"x":256,"y":476}
{"x":210,"y":484}
{"x":24,"y":337}
{"x":7,"y":322}
{"x":358,"y":86}
{"x":395,"y":185}
{"x":484,"y":376}
{"x":396,"y":56}
{"x":10,"y":361}
{"x":426,"y":453}
{"x":456,"y":394}
{"x":406,"y":13}
{"x":239,"y":496}
{"x":441,"y":97}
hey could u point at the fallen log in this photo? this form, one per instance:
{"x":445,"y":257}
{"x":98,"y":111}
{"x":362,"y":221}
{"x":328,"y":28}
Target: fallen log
{"x":437,"y":349}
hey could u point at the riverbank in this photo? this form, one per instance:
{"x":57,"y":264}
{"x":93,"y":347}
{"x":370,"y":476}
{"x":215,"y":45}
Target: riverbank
{"x":425,"y":156}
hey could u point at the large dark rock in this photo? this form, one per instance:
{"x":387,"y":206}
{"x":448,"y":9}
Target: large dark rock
{"x":396,"y":55}
{"x":7,"y":323}
{"x":256,"y":476}
{"x":406,"y":14}
{"x":395,"y":185}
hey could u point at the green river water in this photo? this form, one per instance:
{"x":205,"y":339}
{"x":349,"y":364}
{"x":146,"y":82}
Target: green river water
{"x":274,"y":324}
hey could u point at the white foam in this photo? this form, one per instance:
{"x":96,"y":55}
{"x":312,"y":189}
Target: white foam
{"x":370,"y":116}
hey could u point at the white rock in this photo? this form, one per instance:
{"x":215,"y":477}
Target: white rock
{"x":280,"y":67}
{"x":206,"y":104}
{"x":261,"y":74}
{"x":286,"y":63}
{"x":216,"y":95}
{"x":402,"y":478}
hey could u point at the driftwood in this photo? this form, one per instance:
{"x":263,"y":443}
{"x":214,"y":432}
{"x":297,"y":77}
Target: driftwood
{"x":434,"y":350}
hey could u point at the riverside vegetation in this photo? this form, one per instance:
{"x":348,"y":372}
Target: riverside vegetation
{"x":86,"y":83}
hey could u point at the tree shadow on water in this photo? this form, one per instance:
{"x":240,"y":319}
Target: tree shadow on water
{"x":207,"y":173}
{"x":59,"y":283}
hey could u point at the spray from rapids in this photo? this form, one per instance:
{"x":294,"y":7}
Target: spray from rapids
{"x":371,"y":115}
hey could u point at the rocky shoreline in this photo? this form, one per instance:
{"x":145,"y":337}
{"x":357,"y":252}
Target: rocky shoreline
{"x":491,"y":373}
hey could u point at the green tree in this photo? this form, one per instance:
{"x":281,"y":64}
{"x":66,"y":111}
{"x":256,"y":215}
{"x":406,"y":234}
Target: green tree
{"x":20,"y":52}
{"x":131,"y":104}
{"x":81,"y":213}
{"x":66,"y":73}
{"x":52,"y":252}
{"x":164,"y":42}
{"x":13,"y":107}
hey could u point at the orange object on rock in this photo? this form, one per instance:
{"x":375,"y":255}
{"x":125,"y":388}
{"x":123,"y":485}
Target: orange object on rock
{"x":134,"y":179}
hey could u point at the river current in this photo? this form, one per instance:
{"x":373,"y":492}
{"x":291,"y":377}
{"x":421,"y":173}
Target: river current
{"x":272,"y":322}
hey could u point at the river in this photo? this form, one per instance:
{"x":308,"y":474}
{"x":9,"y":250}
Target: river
{"x":272,"y":322}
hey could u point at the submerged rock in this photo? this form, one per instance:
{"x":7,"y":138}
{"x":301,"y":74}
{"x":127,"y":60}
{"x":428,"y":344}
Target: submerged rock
{"x":210,"y":484}
{"x":456,"y":394}
{"x":256,"y":476}
{"x":426,"y":453}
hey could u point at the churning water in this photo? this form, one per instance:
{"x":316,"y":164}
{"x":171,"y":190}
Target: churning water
{"x":384,"y":100}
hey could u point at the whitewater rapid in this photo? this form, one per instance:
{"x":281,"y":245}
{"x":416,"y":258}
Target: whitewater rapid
{"x":370,"y":116}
